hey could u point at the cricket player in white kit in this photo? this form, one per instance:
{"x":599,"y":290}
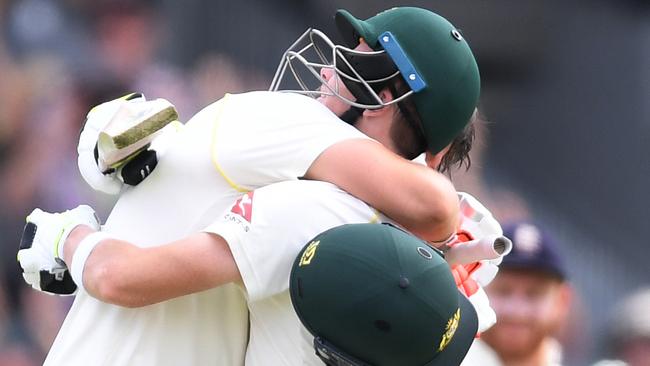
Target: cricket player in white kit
{"x":203,"y":172}
{"x":264,"y":239}
{"x":240,"y":143}
{"x":281,"y":219}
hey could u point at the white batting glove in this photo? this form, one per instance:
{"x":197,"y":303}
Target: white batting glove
{"x":40,"y":254}
{"x":477,"y":223}
{"x":478,"y":228}
{"x":486,"y":315}
{"x":476,"y":295}
{"x":96,"y":120}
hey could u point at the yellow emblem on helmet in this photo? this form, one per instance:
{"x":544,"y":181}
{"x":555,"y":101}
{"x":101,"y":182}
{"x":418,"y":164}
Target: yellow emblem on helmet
{"x":452,"y":325}
{"x":309,"y":253}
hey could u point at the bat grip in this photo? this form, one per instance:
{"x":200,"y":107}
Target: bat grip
{"x":491,"y":247}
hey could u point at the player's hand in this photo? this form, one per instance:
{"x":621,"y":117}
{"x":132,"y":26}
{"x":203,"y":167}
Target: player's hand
{"x":140,"y":131}
{"x":96,"y":120}
{"x":40,"y":254}
{"x":478,"y":223}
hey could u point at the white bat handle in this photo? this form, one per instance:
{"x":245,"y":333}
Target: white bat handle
{"x":489,"y":247}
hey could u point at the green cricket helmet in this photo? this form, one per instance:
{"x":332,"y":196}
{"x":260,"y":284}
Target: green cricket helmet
{"x":417,"y":45}
{"x":372,"y":294}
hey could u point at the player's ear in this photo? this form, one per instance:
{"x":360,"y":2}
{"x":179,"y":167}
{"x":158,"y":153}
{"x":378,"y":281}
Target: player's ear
{"x":386,"y":96}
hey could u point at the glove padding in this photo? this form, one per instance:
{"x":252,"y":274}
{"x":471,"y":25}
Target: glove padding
{"x":96,"y":120}
{"x":477,"y":296}
{"x":141,"y":163}
{"x":477,"y":224}
{"x":40,"y":253}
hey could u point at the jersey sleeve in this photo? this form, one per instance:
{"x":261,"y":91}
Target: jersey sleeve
{"x":264,"y":137}
{"x":266,"y":229}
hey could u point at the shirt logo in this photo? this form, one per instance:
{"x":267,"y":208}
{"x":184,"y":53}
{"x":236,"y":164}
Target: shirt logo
{"x":244,"y":206}
{"x":450,"y":330}
{"x":308,"y":254}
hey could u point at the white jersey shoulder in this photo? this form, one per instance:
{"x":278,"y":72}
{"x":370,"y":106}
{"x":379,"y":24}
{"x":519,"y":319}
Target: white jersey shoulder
{"x":280,"y":134}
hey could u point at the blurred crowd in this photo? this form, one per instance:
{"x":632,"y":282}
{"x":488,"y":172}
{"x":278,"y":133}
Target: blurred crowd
{"x":60,"y":58}
{"x":57,"y":60}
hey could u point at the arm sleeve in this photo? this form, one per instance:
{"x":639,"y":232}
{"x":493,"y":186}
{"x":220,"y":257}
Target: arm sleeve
{"x":267,"y":228}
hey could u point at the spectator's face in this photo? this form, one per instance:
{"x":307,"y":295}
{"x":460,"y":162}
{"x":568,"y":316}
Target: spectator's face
{"x":529,"y":306}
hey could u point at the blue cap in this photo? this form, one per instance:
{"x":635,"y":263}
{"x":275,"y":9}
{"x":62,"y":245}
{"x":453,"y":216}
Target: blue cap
{"x":532,"y":248}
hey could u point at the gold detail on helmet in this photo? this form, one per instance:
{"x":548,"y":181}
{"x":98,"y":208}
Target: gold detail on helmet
{"x":308,"y":254}
{"x":450,"y":330}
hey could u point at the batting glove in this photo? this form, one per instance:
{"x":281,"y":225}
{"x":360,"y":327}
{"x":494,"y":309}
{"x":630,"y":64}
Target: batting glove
{"x":134,"y":168}
{"x":478,"y":223}
{"x":476,"y":295}
{"x":96,"y":120}
{"x":477,"y":227}
{"x":40,"y":254}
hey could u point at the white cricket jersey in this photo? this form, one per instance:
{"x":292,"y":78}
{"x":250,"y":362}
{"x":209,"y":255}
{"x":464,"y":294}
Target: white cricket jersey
{"x":266,"y":229}
{"x":237,"y":144}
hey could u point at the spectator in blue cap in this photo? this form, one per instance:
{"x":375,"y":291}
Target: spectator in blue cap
{"x":531,"y":298}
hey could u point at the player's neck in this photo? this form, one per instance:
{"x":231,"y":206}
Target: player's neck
{"x":378,"y":129}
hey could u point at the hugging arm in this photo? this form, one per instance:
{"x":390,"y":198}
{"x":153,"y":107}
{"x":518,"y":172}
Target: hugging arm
{"x":422,"y":200}
{"x":121,"y":273}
